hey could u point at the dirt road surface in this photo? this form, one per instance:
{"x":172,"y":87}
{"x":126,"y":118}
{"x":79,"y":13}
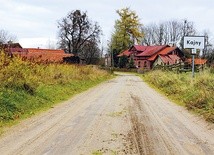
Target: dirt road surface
{"x":121,"y":116}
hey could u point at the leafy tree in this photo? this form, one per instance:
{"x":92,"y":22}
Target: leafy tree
{"x":115,"y":57}
{"x":127,"y":30}
{"x":76,"y":30}
{"x":123,"y":60}
{"x":131,"y":63}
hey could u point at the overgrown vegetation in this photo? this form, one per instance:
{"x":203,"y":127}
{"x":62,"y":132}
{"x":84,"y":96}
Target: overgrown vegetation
{"x":196,"y":94}
{"x":27,"y":87}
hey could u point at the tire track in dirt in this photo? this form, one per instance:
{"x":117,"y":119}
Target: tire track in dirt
{"x":162,"y":127}
{"x":122,"y":116}
{"x":142,"y":131}
{"x":138,"y":133}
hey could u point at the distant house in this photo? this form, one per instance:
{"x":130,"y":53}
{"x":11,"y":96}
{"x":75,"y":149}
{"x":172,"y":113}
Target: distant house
{"x":46,"y":55}
{"x":10,"y":45}
{"x":198,"y":62}
{"x":167,"y":56}
{"x":35,"y":54}
{"x":147,"y":57}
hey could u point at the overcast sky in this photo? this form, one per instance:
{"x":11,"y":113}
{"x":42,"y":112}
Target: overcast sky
{"x":34,"y":22}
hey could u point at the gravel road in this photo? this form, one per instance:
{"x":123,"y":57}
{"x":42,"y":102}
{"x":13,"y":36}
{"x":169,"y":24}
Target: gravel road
{"x":121,"y":116}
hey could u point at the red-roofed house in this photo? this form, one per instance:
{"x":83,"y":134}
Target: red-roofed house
{"x":46,"y":55}
{"x":35,"y":54}
{"x":126,"y":53}
{"x":197,"y":61}
{"x":167,"y":56}
{"x":10,"y":45}
{"x":148,"y":57}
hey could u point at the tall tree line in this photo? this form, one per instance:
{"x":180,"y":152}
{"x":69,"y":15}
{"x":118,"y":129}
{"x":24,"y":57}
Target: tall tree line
{"x":172,"y":32}
{"x":167,"y":32}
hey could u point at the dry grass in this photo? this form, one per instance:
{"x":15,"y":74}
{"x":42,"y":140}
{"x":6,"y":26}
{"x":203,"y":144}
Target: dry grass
{"x":27,"y":87}
{"x":196,"y":94}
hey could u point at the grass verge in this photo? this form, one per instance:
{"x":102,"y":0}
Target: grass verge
{"x":196,"y":94}
{"x":27,"y":88}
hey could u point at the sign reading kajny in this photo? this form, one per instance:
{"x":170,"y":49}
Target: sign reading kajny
{"x":196,"y":42}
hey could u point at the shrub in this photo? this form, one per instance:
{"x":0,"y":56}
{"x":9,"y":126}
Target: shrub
{"x":27,"y":87}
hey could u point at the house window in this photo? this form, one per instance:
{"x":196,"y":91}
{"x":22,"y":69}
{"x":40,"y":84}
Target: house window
{"x":138,"y":64}
{"x":145,"y":65}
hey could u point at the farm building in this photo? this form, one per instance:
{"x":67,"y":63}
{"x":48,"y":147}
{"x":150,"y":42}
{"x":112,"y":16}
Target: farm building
{"x":35,"y":54}
{"x":46,"y":55}
{"x":147,"y":57}
{"x":198,"y":62}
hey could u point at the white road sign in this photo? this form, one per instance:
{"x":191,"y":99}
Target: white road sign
{"x":195,"y":42}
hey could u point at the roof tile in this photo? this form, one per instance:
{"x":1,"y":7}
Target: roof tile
{"x":150,"y":50}
{"x":197,"y":61}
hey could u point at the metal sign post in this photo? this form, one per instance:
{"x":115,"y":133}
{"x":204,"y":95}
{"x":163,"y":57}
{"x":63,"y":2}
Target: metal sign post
{"x":193,"y":62}
{"x":194,"y":43}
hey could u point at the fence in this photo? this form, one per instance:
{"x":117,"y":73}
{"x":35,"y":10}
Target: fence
{"x":179,"y":67}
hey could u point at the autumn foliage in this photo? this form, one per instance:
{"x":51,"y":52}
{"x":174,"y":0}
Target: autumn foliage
{"x":27,"y":87}
{"x":196,"y":94}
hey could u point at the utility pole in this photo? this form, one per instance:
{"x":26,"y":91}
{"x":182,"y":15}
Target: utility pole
{"x":112,"y":58}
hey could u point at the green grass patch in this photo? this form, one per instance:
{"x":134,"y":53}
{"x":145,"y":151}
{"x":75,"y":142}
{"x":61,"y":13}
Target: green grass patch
{"x":98,"y":152}
{"x":196,"y":94}
{"x":27,"y":88}
{"x":117,"y":113}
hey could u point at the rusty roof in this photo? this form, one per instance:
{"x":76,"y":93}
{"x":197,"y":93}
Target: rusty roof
{"x":125,"y":53}
{"x":197,"y":61}
{"x":169,"y":59}
{"x":162,"y":52}
{"x":46,"y":51}
{"x":150,"y":50}
{"x":50,"y":55}
{"x":10,"y":45}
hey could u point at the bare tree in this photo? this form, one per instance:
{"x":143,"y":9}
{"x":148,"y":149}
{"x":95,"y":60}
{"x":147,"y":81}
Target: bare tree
{"x":155,"y":34}
{"x":187,"y":29}
{"x":50,"y":44}
{"x":174,"y":31}
{"x":168,"y":32}
{"x":90,"y":52}
{"x":150,"y":33}
{"x":208,"y":49}
{"x":5,"y":36}
{"x":75,"y":30}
